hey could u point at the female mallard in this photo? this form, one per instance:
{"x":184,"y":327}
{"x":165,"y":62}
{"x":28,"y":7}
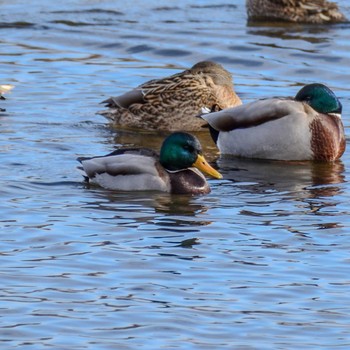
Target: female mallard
{"x":174,"y":170}
{"x":174,"y":102}
{"x":307,"y":127}
{"x":298,"y":11}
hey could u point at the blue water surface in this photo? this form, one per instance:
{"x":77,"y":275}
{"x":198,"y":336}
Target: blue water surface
{"x":262,"y":262}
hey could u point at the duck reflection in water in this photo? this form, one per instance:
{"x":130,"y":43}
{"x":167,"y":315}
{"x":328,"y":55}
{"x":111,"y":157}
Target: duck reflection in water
{"x":308,"y":179}
{"x":164,"y":212}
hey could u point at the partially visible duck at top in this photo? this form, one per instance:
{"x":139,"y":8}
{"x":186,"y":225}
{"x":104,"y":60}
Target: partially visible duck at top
{"x":172,"y":103}
{"x":174,"y":170}
{"x":306,"y":127}
{"x":296,"y":11}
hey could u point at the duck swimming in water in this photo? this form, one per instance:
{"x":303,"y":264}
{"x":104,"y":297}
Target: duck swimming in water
{"x":173,"y":103}
{"x":174,"y":170}
{"x":297,"y":11}
{"x":306,"y":127}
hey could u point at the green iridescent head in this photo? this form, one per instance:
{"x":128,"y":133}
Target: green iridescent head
{"x":181,"y":150}
{"x":320,"y":98}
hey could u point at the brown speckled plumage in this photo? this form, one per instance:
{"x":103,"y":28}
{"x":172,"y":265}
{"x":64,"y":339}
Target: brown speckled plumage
{"x":297,"y":11}
{"x":328,"y":138}
{"x":174,"y":102}
{"x":188,"y":181}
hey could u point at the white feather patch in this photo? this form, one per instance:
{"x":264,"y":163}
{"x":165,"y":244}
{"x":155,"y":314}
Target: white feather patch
{"x":288,"y":138}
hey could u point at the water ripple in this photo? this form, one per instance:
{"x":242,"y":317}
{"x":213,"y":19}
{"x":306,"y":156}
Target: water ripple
{"x":261,"y":262}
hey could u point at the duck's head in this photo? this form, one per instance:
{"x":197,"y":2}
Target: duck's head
{"x":320,"y":98}
{"x":181,"y":150}
{"x":215,"y":70}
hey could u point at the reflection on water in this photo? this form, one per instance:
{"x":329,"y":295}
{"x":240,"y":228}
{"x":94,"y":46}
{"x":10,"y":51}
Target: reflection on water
{"x":288,"y":31}
{"x":259,"y":263}
{"x":286,"y":176}
{"x":160,"y":211}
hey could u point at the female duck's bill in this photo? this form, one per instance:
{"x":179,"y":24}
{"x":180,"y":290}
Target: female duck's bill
{"x":307,"y":127}
{"x":175,"y":170}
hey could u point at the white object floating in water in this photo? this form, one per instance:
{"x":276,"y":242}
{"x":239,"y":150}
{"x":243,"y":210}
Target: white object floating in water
{"x":6,"y":88}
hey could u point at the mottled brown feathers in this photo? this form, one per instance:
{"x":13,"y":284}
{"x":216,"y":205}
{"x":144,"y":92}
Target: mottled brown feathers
{"x":298,"y":11}
{"x":328,"y":139}
{"x":188,"y":181}
{"x":174,"y":102}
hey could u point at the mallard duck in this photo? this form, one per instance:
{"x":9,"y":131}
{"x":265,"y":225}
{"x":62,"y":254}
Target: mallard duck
{"x":298,"y":11}
{"x":174,"y":170}
{"x":307,"y":127}
{"x":174,"y":102}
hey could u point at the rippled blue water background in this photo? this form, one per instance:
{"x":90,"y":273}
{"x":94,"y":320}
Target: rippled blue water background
{"x":262,"y":262}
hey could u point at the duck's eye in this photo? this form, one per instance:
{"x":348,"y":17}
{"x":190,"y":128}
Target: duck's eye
{"x":189,"y":148}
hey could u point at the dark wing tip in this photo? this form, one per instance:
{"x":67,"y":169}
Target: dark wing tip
{"x":81,"y":159}
{"x":109,"y":102}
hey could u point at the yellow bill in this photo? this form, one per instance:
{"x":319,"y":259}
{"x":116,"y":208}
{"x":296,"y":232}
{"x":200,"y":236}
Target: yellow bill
{"x":204,"y":167}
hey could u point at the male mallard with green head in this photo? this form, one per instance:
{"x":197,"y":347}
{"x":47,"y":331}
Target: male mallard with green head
{"x":307,"y":127}
{"x":174,"y":102}
{"x":174,"y":170}
{"x":297,"y":11}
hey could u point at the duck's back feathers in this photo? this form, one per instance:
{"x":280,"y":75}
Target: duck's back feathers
{"x":120,"y":162}
{"x":127,"y":170}
{"x":297,"y":11}
{"x":254,"y":113}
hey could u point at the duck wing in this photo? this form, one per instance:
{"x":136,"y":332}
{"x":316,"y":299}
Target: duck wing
{"x":127,"y":170}
{"x":253,"y":114}
{"x":173,"y":90}
{"x":122,"y":162}
{"x":125,"y":100}
{"x":137,"y":95}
